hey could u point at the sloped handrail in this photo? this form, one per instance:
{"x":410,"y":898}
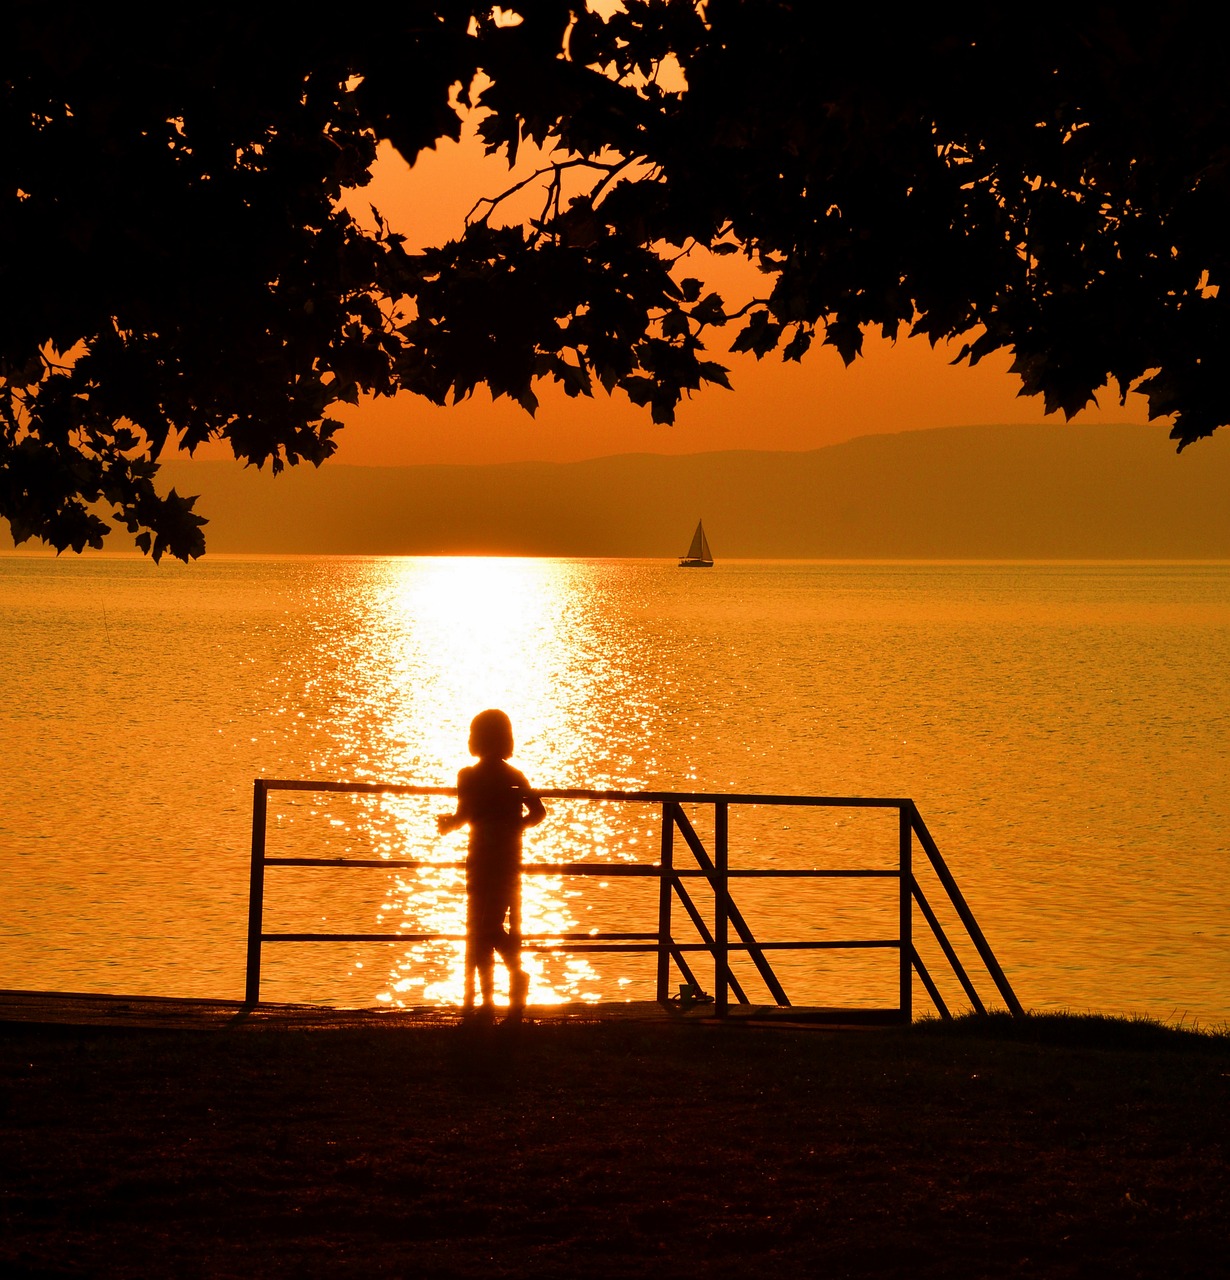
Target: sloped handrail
{"x":957,"y":898}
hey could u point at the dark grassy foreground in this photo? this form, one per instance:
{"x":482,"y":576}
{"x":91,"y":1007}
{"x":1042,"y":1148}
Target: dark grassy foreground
{"x":1061,"y":1147}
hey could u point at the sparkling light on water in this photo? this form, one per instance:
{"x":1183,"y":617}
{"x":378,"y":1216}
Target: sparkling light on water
{"x":1063,"y":728}
{"x":443,"y":640}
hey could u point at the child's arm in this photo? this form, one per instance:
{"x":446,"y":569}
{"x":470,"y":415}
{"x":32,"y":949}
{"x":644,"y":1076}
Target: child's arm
{"x":536,"y":810}
{"x":446,"y":822}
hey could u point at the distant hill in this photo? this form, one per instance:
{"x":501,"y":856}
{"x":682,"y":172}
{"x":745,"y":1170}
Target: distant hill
{"x":1019,"y":492}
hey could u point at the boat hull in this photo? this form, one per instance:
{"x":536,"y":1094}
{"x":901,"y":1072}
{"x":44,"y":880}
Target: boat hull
{"x":695,"y":564}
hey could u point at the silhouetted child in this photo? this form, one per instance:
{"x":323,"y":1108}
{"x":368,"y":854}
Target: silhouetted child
{"x":497,"y":802}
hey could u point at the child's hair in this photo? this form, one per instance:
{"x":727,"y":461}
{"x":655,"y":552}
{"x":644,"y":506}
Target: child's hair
{"x":491,"y":735}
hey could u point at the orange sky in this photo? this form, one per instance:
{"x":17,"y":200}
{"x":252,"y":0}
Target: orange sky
{"x":906,"y":386}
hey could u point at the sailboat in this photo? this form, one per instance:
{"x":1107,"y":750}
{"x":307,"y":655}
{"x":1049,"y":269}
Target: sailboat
{"x":699,"y":556}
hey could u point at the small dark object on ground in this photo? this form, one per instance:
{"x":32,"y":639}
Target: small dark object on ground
{"x":689,"y":996}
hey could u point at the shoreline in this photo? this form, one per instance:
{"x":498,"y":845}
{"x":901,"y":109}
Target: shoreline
{"x":94,"y":1009}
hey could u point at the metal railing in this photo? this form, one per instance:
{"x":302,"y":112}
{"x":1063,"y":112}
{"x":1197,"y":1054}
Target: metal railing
{"x":713,"y":868}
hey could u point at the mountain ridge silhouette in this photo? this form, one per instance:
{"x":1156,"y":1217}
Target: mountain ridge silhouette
{"x":1049,"y":491}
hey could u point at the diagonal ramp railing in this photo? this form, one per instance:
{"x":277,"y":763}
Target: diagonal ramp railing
{"x":712,"y":868}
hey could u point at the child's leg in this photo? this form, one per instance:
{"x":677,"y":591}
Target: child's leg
{"x":485,"y":936}
{"x":471,"y":950}
{"x":509,"y":946}
{"x":486,"y":979}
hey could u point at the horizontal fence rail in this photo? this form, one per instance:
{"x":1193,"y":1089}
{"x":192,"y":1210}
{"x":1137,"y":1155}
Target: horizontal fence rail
{"x":711,"y":867}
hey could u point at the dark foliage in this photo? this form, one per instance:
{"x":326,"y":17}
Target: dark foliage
{"x":176,"y":267}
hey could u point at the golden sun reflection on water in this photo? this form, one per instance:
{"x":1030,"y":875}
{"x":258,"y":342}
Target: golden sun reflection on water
{"x":476,"y":633}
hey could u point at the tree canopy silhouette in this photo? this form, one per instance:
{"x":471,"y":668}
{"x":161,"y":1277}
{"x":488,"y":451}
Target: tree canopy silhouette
{"x":177,"y":267}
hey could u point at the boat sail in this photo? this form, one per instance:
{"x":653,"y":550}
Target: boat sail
{"x":699,"y":556}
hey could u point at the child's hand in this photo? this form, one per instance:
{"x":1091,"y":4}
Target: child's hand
{"x":444,"y":823}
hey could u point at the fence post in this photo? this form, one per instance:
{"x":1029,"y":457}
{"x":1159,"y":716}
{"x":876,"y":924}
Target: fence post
{"x":905,"y":913}
{"x":665,"y":895}
{"x":256,"y":893}
{"x":721,"y":908}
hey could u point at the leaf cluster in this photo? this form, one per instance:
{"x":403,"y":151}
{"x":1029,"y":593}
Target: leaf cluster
{"x":177,"y":266}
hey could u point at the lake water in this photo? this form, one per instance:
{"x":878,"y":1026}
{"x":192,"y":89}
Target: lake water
{"x":1063,"y":728}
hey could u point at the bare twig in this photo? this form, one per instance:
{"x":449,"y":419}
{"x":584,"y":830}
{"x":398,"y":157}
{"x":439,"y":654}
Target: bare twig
{"x":555,"y":170}
{"x":747,"y":306}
